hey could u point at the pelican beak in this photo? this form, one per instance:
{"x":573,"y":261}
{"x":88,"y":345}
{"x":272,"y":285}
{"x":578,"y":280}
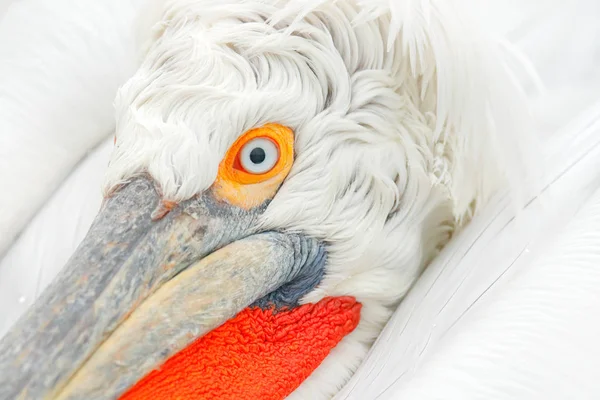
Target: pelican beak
{"x":139,"y":289}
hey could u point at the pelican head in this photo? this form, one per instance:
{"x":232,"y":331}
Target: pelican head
{"x":282,"y":172}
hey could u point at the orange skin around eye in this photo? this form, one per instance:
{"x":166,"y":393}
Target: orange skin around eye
{"x":243,"y":189}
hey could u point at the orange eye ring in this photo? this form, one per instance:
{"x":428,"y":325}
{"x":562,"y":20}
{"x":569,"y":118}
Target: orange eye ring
{"x":232,"y":168}
{"x":249,"y":188}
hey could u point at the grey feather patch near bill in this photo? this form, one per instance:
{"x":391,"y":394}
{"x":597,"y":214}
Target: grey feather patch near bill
{"x":290,"y":294}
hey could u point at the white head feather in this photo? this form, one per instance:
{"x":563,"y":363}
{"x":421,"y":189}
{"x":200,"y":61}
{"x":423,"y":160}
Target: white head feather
{"x":406,"y":118}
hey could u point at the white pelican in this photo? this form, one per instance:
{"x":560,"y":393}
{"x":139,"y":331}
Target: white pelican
{"x":304,"y":157}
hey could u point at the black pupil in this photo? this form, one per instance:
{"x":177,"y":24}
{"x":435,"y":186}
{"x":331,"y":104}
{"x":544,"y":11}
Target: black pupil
{"x":257,"y":155}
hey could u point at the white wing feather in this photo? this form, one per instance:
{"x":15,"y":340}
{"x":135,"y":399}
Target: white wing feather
{"x":51,"y":237}
{"x":56,"y":96}
{"x":508,"y":306}
{"x":506,"y":311}
{"x":4,"y":6}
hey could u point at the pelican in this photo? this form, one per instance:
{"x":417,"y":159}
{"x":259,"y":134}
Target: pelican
{"x":282,"y":173}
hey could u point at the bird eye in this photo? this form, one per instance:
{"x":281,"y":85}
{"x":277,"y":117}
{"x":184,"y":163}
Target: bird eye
{"x":255,"y":165}
{"x":259,"y":156}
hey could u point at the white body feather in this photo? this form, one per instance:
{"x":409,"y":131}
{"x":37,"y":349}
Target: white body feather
{"x":55,"y":99}
{"x":458,"y":186}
